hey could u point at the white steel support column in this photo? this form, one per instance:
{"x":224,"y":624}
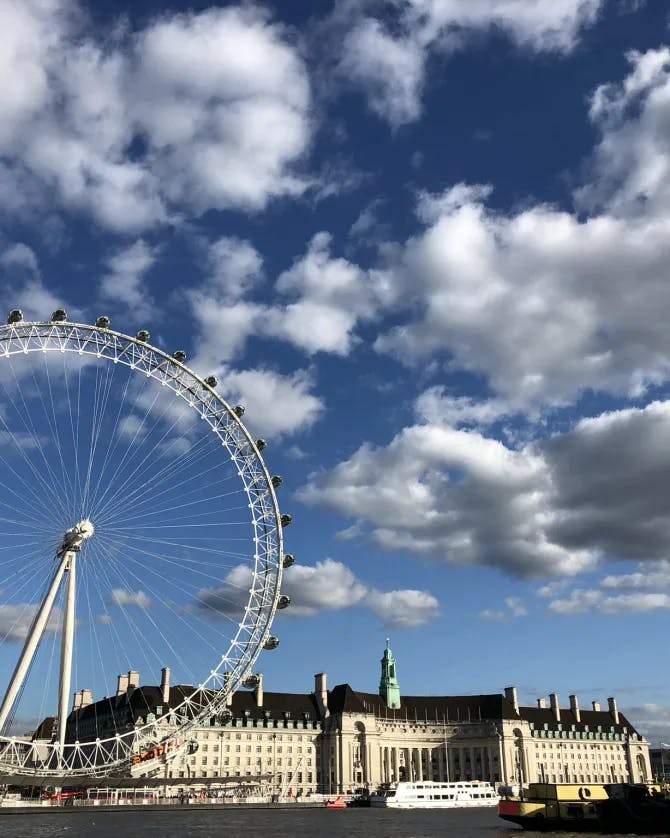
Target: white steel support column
{"x":67,"y":644}
{"x":30,"y":647}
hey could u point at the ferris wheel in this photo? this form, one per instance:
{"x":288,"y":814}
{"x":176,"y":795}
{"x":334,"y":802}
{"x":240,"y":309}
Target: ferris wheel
{"x":140,"y":533}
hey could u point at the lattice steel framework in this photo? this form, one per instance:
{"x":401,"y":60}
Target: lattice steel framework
{"x":160,"y":740}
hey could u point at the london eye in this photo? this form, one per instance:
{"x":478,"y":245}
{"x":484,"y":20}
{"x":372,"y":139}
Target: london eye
{"x":139,"y":530}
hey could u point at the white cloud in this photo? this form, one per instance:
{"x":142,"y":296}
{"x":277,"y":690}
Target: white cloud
{"x":275,"y":404}
{"x":514,"y":609}
{"x":404,"y":609}
{"x":656,"y":575}
{"x":124,"y":597}
{"x":16,"y":620}
{"x":125,"y":281}
{"x":214,"y":106}
{"x":326,"y":586}
{"x":589,"y":601}
{"x":389,"y":62}
{"x":550,"y":508}
{"x":21,"y":256}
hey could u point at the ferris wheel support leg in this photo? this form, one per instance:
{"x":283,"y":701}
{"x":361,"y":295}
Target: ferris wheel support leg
{"x":67,"y":644}
{"x":30,"y":646}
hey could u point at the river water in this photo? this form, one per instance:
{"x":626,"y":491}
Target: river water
{"x":264,"y":823}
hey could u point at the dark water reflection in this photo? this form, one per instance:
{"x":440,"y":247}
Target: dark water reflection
{"x":273,"y":823}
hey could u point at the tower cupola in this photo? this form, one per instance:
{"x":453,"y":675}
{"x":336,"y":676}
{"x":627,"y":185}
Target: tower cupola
{"x":389,"y":689}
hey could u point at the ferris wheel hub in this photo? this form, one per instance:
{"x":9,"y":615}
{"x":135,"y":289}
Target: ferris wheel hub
{"x":75,"y":537}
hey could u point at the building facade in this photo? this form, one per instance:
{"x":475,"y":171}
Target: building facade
{"x":341,"y":740}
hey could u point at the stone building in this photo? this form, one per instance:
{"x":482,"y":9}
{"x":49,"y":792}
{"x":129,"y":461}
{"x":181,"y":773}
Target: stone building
{"x":340,"y":740}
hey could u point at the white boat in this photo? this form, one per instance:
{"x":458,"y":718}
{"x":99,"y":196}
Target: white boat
{"x":432,"y":795}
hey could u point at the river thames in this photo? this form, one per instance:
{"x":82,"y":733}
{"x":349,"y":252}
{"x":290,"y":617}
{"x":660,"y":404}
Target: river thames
{"x":279,"y":823}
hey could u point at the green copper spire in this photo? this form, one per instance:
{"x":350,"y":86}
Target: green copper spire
{"x":389,"y":688}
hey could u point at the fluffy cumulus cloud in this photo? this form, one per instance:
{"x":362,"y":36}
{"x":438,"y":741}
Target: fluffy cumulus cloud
{"x":16,"y":620}
{"x":123,"y":598}
{"x":125,"y":281}
{"x":404,"y":609}
{"x":326,"y":586}
{"x":514,"y":609}
{"x":540,"y":301}
{"x":195,"y":111}
{"x":549,"y":508}
{"x":389,"y":61}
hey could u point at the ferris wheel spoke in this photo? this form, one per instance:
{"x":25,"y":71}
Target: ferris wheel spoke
{"x":144,"y":484}
{"x":122,"y":573}
{"x":193,"y":566}
{"x":179,"y":612}
{"x":116,"y":476}
{"x":65,"y":470}
{"x":144,"y":494}
{"x":37,"y":476}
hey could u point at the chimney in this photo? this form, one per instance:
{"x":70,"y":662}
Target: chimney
{"x":133,"y":679}
{"x":86,"y":698}
{"x":510,"y":695}
{"x":165,"y":685}
{"x":258,"y":691}
{"x":321,"y":694}
{"x":541,"y":704}
{"x":596,"y":706}
{"x":553,"y":701}
{"x":611,"y":703}
{"x":574,"y":706}
{"x":122,"y":685}
{"x":76,"y":704}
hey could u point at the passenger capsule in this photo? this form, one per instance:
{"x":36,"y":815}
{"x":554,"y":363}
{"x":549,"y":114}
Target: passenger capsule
{"x":59,"y":316}
{"x":102,"y":322}
{"x":143,"y":335}
{"x":238,"y":410}
{"x":179,"y":355}
{"x":261,"y":444}
{"x":271,"y":643}
{"x":276,"y":481}
{"x":210,"y":381}
{"x":286,"y":520}
{"x":15,"y":316}
{"x":283,"y":601}
{"x":288,"y":560}
{"x":252,"y":681}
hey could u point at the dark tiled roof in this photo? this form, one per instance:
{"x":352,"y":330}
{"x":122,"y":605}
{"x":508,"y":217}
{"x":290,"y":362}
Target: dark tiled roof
{"x":420,"y":708}
{"x":539,"y":716}
{"x":297,"y":704}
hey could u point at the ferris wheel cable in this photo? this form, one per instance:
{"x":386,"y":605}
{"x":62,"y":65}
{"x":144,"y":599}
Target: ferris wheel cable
{"x":183,"y":583}
{"x":114,"y":435}
{"x":168,"y":643}
{"x":136,"y":633}
{"x":30,"y":427}
{"x":216,"y":539}
{"x":99,"y":405}
{"x":147,"y":497}
{"x":121,"y":464}
{"x":135,"y":630}
{"x":65,"y":471}
{"x":191,"y":564}
{"x":22,"y":453}
{"x":157,"y":510}
{"x":75,"y":446}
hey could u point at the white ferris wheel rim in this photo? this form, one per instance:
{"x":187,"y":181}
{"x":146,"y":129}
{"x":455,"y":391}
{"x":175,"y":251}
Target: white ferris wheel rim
{"x":102,"y":756}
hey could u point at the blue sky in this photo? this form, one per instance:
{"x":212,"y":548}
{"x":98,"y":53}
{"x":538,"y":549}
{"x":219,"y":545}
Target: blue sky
{"x":426,"y":244}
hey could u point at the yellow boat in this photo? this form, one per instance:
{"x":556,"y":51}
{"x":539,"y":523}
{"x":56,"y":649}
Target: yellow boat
{"x":550,"y":806}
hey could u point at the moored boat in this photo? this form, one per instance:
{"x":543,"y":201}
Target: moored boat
{"x":608,"y":809}
{"x":434,"y":795}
